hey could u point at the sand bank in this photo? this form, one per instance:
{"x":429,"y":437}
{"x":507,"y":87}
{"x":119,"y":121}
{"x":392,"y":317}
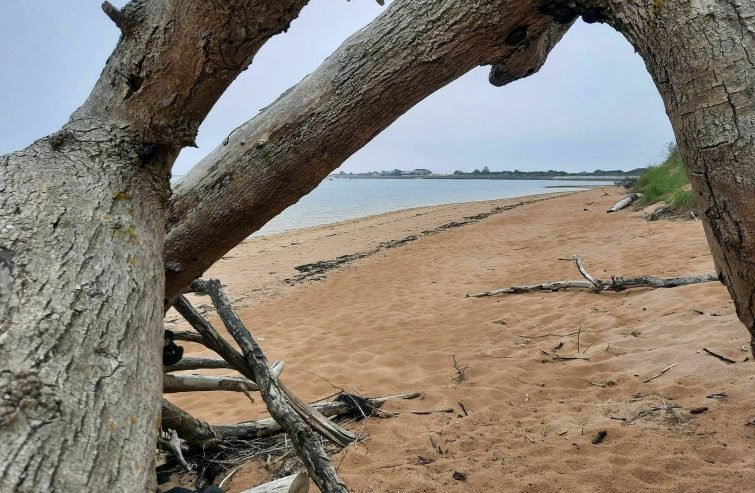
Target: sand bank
{"x":388,"y":317}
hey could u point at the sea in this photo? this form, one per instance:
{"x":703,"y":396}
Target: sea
{"x":341,"y":199}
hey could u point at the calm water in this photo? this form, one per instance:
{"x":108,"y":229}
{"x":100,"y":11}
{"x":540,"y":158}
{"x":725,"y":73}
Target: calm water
{"x":341,"y":199}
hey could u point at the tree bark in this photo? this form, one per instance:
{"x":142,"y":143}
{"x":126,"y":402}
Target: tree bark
{"x":82,"y":217}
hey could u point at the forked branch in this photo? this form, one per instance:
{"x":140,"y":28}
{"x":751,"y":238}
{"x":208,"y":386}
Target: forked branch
{"x":597,"y":285}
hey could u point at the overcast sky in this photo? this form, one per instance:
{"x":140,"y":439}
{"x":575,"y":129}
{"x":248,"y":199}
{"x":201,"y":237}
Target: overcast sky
{"x":592,"y":106}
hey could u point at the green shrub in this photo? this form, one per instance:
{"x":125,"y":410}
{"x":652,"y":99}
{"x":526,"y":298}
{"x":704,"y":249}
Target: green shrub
{"x":668,"y":182}
{"x":682,"y":200}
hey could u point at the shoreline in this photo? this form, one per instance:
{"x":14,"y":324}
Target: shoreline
{"x":342,"y":243}
{"x":396,"y":320}
{"x":423,"y":208}
{"x":337,"y":200}
{"x":491,"y":176}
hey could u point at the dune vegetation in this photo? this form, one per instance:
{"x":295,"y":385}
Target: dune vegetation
{"x":667,"y":182}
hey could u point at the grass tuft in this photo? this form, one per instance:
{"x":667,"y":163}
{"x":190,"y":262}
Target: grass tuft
{"x":667,"y":182}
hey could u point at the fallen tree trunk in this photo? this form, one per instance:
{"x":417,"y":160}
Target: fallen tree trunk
{"x":623,"y":203}
{"x":82,"y":223}
{"x":296,"y":483}
{"x":597,"y":285}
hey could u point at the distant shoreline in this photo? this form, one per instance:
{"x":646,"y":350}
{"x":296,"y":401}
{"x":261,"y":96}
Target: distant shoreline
{"x":486,"y":177}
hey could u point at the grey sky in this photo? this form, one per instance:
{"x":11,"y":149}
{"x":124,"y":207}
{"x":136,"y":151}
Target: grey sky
{"x":592,"y":106}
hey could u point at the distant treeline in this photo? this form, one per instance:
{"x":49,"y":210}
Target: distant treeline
{"x":486,"y":173}
{"x":550,"y":173}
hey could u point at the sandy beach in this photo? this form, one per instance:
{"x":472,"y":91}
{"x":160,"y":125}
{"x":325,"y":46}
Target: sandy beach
{"x":378,"y":307}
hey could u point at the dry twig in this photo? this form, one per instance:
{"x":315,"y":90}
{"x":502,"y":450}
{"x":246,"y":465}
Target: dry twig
{"x":721,"y":357}
{"x":661,"y":373}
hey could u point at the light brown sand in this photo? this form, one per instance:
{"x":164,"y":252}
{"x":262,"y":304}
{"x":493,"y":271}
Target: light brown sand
{"x":390,"y":323}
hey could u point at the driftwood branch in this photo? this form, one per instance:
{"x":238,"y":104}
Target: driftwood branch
{"x":296,"y":483}
{"x":597,"y":285}
{"x":210,"y":337}
{"x":719,"y":356}
{"x":288,"y":413}
{"x":189,"y":428}
{"x":205,"y":383}
{"x":198,"y":364}
{"x":623,"y":203}
{"x":198,"y":432}
{"x":173,"y":445}
{"x":343,"y":406}
{"x":188,"y":336}
{"x":282,"y":405}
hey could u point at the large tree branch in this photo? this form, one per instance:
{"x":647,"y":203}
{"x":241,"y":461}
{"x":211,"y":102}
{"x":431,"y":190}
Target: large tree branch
{"x":411,"y":50}
{"x":175,"y":59}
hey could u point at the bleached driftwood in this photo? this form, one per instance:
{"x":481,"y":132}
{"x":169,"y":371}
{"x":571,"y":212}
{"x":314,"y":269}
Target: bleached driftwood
{"x":173,"y":445}
{"x":597,"y":285}
{"x":207,"y":383}
{"x":296,"y":483}
{"x":621,"y":204}
{"x":198,"y":364}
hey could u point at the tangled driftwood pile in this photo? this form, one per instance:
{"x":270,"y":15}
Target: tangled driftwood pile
{"x":297,"y":434}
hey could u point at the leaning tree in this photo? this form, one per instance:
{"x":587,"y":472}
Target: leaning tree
{"x":93,"y":246}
